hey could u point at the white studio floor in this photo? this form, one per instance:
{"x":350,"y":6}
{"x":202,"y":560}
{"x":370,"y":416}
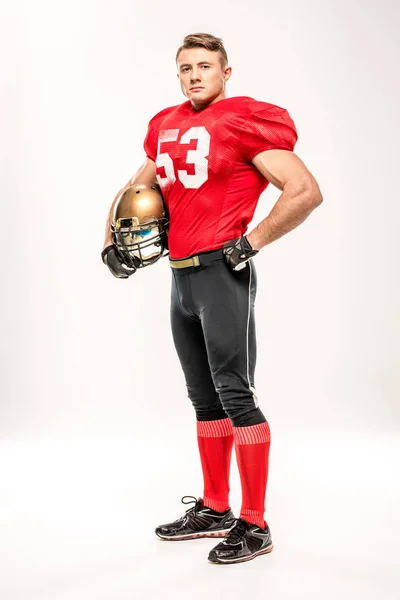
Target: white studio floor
{"x":77,"y":518}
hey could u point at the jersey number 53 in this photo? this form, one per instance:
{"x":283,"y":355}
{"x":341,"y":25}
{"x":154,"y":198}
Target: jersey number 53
{"x":195,"y":157}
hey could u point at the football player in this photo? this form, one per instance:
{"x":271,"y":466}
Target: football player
{"x":212,"y":157}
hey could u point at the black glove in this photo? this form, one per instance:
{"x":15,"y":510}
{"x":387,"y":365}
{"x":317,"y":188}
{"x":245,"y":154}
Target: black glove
{"x":237,"y":252}
{"x":112,"y":259}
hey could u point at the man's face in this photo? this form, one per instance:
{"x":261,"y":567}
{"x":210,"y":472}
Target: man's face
{"x":201,"y":76}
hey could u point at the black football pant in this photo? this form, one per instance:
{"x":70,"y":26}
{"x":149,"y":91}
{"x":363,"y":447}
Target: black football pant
{"x":212,"y":318}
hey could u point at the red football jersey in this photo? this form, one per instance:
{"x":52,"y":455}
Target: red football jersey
{"x":204,"y":168}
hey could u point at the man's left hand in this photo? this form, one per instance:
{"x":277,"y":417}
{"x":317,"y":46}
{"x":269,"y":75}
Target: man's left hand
{"x":237,"y":252}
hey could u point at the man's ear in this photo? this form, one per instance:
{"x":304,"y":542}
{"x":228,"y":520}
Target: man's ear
{"x":227,"y":73}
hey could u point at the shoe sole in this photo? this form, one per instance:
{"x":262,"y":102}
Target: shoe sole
{"x":243,"y":559}
{"x":195,"y":536}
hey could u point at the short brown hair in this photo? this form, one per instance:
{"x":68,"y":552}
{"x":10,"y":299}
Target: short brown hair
{"x":207,"y":41}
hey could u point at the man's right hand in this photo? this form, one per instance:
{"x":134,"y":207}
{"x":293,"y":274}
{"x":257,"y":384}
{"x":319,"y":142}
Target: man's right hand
{"x":112,"y":259}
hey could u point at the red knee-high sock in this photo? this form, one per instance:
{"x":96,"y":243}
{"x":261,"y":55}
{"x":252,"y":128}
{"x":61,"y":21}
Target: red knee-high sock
{"x":215,"y":439}
{"x":252,"y":453}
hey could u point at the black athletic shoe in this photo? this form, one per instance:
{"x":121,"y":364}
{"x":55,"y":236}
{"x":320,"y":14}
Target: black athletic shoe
{"x":198,"y":522}
{"x":243,"y":542}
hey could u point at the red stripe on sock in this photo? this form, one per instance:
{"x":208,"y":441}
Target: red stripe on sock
{"x":218,"y":505}
{"x":219,"y":428}
{"x":255,"y":434}
{"x":253,"y":517}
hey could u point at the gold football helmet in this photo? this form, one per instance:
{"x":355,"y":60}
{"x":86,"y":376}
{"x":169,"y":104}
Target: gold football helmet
{"x":140,"y":225}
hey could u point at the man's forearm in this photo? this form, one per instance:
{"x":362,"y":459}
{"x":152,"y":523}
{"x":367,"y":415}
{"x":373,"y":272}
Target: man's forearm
{"x":291,"y":209}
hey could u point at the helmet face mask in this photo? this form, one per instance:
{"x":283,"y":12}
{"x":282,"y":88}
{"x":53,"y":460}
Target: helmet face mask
{"x":140,"y":226}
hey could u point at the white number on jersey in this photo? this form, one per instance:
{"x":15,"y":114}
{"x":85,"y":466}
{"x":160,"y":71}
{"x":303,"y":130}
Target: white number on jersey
{"x":196,"y":157}
{"x":164,"y":159}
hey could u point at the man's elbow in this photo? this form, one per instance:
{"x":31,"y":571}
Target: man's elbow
{"x":308,"y":190}
{"x":316,"y":197}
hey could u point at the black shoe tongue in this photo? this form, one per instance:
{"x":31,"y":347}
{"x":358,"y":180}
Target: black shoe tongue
{"x":240,"y":527}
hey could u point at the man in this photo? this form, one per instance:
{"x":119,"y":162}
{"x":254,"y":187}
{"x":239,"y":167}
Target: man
{"x":212,"y":157}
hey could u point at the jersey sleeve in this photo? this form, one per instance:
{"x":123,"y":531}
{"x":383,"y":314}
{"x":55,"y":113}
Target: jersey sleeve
{"x":151,"y":141}
{"x":265,"y":127}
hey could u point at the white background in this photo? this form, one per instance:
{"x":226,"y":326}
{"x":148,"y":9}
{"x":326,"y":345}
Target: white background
{"x":97,"y":435}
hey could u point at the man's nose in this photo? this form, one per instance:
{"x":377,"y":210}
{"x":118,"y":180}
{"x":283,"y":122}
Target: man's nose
{"x":195,"y":76}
